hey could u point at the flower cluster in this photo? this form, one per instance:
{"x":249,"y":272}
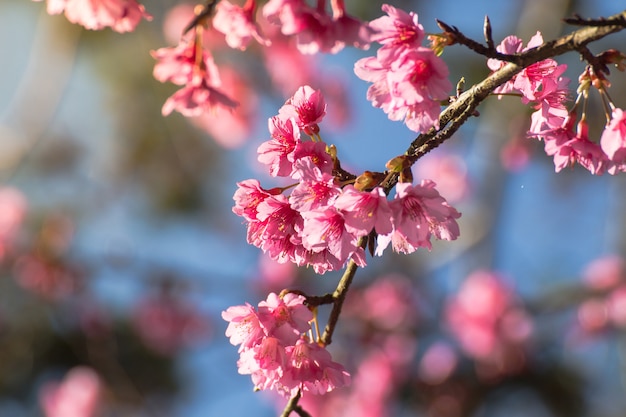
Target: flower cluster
{"x":409,"y":80}
{"x":191,"y":66}
{"x":314,"y":29}
{"x":564,"y":133}
{"x":276,"y":353}
{"x":120,"y":15}
{"x":321,"y":221}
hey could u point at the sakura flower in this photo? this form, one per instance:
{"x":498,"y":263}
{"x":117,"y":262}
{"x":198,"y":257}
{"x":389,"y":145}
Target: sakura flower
{"x":278,"y":151}
{"x":178,"y":65}
{"x":167,"y":323}
{"x":418,"y":213}
{"x":613,"y":140}
{"x":397,"y":28}
{"x":197,"y":97}
{"x":326,"y":230}
{"x":314,"y":29}
{"x":244,"y":326}
{"x":489,"y":323}
{"x":286,"y":317}
{"x":307,"y":107}
{"x":364,"y":211}
{"x":536,"y":80}
{"x":408,"y":86}
{"x":228,"y":128}
{"x":312,"y":369}
{"x":237,"y":23}
{"x":316,"y":153}
{"x":119,"y":15}
{"x":316,"y":189}
{"x":248,"y":196}
{"x":278,"y":229}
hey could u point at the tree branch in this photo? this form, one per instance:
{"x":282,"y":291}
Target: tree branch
{"x":459,"y":110}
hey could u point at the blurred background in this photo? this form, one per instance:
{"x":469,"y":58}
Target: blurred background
{"x":119,"y":250}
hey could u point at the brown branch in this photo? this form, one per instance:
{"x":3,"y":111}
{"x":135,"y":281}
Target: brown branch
{"x":611,"y":21}
{"x":338,"y":297}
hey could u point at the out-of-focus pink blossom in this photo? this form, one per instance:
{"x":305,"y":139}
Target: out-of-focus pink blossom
{"x":231,"y":128}
{"x":448,"y":171}
{"x":604,"y":272}
{"x":196,"y":98}
{"x":167,"y":324}
{"x":77,"y":395}
{"x":119,"y":15}
{"x":44,"y":277}
{"x":489,"y":324}
{"x":238,"y":24}
{"x":12,"y":211}
{"x":438,"y":363}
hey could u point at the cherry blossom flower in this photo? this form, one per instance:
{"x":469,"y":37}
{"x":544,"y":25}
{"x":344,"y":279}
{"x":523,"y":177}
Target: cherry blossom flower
{"x":238,"y":24}
{"x":286,"y":317}
{"x":364,"y":211}
{"x":312,"y":369}
{"x":613,"y":140}
{"x":307,"y":107}
{"x":197,"y":97}
{"x":275,"y":351}
{"x":77,"y":395}
{"x":278,"y":151}
{"x":244,"y":326}
{"x":314,"y":29}
{"x":326,"y":230}
{"x":409,"y":81}
{"x":120,"y":15}
{"x":316,"y":190}
{"x":398,"y":28}
{"x":419,"y":212}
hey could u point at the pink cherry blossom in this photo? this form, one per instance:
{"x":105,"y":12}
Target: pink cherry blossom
{"x":197,"y":97}
{"x":238,"y":24}
{"x":364,"y":211}
{"x":12,"y":211}
{"x":119,"y":15}
{"x":278,"y":151}
{"x":248,"y":196}
{"x":307,"y":107}
{"x":326,"y":230}
{"x":316,"y":153}
{"x":397,"y":28}
{"x":408,"y":85}
{"x":228,"y":128}
{"x":77,"y":395}
{"x":613,"y":140}
{"x":285,"y":318}
{"x":312,"y":369}
{"x":418,"y":213}
{"x":314,"y":29}
{"x":244,"y":326}
{"x":316,"y":190}
{"x":604,"y":272}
